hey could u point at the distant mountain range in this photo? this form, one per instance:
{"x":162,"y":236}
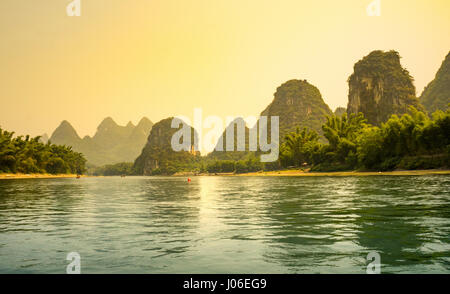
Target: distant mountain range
{"x":378,"y":87}
{"x":110,"y":144}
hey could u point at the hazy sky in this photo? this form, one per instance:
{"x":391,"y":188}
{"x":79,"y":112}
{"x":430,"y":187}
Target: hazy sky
{"x":160,"y":58}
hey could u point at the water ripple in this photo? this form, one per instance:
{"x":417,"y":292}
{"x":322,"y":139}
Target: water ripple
{"x":226,"y":224}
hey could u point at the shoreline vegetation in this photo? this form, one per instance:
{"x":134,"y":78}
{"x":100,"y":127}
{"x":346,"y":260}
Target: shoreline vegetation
{"x":300,"y":173}
{"x":279,"y":173}
{"x":412,"y":142}
{"x":26,"y":155}
{"x":38,"y":176}
{"x":384,"y":130}
{"x":308,"y":173}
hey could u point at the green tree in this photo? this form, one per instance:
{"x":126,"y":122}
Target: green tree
{"x":29,"y":155}
{"x":298,"y":147}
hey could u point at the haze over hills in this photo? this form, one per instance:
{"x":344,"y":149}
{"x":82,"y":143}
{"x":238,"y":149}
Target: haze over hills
{"x":436,"y":94}
{"x":340,"y":111}
{"x":110,"y":144}
{"x":44,"y":138}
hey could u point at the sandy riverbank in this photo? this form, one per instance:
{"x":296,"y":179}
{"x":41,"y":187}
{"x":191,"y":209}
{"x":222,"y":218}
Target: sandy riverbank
{"x":348,"y":173}
{"x":303,"y":173}
{"x":279,"y":173}
{"x":35,"y":176}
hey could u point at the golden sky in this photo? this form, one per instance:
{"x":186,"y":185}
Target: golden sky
{"x":160,"y":58}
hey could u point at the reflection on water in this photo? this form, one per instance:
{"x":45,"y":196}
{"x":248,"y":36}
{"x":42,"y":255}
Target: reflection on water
{"x":226,"y":224}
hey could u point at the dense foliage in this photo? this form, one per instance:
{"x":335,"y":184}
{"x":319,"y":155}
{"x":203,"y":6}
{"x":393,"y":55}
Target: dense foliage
{"x":436,"y":94}
{"x":299,"y":147}
{"x":251,"y":164}
{"x":29,"y":155}
{"x":410,"y":141}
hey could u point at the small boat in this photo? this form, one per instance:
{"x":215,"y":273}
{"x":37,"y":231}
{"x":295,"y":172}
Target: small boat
{"x":78,"y":176}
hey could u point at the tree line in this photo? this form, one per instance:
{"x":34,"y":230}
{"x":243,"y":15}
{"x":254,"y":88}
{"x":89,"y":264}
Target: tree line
{"x":411,"y":141}
{"x":117,"y":169}
{"x":28,"y":155}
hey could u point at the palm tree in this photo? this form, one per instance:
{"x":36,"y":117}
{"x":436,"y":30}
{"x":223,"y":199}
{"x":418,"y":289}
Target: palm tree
{"x":342,"y":132}
{"x":296,"y":143}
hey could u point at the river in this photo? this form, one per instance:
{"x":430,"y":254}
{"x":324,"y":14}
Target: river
{"x":226,"y":224}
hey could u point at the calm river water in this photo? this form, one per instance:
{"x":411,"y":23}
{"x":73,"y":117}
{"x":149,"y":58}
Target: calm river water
{"x":226,"y":224}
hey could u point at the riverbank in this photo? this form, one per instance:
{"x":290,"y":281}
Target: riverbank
{"x":302,"y":173}
{"x":36,"y":176}
{"x":277,"y":173}
{"x":307,"y":173}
